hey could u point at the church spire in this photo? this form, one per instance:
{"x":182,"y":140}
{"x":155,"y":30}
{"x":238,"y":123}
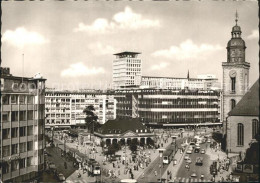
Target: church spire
{"x":188,"y":75}
{"x":236,"y":17}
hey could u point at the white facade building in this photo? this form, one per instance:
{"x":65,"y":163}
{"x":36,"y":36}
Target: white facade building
{"x":65,"y":108}
{"x":127,"y":70}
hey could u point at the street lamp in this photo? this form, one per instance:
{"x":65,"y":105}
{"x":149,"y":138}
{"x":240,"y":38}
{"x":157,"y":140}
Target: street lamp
{"x":161,"y":154}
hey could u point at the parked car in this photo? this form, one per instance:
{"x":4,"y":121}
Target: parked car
{"x":202,"y":151}
{"x":208,"y":141}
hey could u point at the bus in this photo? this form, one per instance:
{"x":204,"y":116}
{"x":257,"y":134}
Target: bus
{"x":167,"y":156}
{"x":93,"y":168}
{"x":128,"y":180}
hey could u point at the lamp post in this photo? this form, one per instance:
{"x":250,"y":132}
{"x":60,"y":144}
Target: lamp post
{"x":161,"y":154}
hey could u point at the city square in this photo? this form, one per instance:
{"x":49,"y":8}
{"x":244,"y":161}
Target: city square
{"x":95,"y":91}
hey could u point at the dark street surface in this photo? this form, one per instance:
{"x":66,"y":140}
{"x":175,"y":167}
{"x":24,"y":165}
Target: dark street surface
{"x":55,"y":157}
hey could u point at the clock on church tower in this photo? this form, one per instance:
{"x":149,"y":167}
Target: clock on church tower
{"x":235,"y":71}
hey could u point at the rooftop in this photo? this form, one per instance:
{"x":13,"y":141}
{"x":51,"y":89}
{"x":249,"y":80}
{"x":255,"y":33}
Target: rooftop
{"x":249,"y":104}
{"x":127,"y":53}
{"x":121,"y":126}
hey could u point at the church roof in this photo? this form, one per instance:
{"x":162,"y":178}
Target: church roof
{"x":121,"y":126}
{"x":249,"y":104}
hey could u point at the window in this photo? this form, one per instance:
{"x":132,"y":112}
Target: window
{"x":233,"y":103}
{"x":14,"y":149}
{"x":6,"y":133}
{"x":21,"y":99}
{"x":233,"y":84}
{"x":29,"y":99}
{"x":255,"y":128}
{"x":14,"y":165}
{"x":29,"y":161}
{"x":30,"y":146}
{"x":5,"y":99}
{"x":14,"y":132}
{"x":22,"y":115}
{"x":14,"y":116}
{"x":13,"y":99}
{"x":22,"y":131}
{"x":30,"y":115}
{"x":6,"y":150}
{"x":22,"y":163}
{"x":5,"y":168}
{"x":30,"y":130}
{"x":5,"y":116}
{"x":22,"y":147}
{"x":240,"y":134}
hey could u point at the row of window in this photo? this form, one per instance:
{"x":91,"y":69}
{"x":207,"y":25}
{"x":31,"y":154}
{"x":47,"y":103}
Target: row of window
{"x":17,"y":99}
{"x":240,"y":131}
{"x":19,"y":164}
{"x":17,"y":115}
{"x":13,"y":132}
{"x":57,"y":122}
{"x":13,"y":149}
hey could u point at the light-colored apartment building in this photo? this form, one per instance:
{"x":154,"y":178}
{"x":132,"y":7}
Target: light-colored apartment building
{"x":22,"y":127}
{"x":65,"y":108}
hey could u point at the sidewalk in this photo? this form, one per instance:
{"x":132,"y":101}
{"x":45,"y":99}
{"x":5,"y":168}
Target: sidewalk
{"x":119,"y":167}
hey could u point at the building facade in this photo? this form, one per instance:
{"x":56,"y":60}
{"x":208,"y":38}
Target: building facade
{"x":205,"y":83}
{"x":124,"y":131}
{"x":243,"y":122}
{"x":170,"y":107}
{"x":65,"y":108}
{"x":22,"y":127}
{"x":235,"y":72}
{"x":127,"y":70}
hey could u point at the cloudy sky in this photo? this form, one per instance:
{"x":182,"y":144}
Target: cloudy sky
{"x":72,"y":43}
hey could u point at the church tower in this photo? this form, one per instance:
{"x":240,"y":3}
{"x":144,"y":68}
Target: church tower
{"x":235,"y":71}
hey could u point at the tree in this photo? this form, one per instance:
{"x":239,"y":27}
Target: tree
{"x":91,"y":118}
{"x":133,"y":145}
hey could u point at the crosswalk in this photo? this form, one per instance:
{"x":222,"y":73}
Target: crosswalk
{"x":185,"y":179}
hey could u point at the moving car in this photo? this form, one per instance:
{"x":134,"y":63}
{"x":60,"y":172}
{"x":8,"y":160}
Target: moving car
{"x":197,"y":150}
{"x":186,"y":157}
{"x":193,"y":174}
{"x":189,"y":151}
{"x":202,"y":151}
{"x":61,"y":177}
{"x":188,"y":161}
{"x":199,"y":161}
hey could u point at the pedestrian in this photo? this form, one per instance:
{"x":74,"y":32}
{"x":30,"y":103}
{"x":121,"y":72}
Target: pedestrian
{"x":118,"y":172}
{"x":155,"y":173}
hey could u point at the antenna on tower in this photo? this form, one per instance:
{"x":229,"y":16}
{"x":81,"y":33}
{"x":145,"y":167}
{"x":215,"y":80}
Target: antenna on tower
{"x":23,"y":69}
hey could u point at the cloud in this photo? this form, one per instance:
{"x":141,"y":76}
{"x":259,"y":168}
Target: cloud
{"x":254,"y":34}
{"x":186,"y":50}
{"x":126,"y":20}
{"x":100,"y":49}
{"x":21,"y":37}
{"x":159,"y":66}
{"x":79,"y":69}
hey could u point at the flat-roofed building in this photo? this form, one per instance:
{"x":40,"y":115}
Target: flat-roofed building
{"x":173,"y":83}
{"x":22,"y":127}
{"x":127,"y":70}
{"x":64,"y":109}
{"x":170,"y":107}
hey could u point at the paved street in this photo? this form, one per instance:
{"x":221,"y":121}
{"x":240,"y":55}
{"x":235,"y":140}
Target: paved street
{"x":184,"y":173}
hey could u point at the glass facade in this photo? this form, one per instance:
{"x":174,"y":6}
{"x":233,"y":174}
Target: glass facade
{"x":168,"y":106}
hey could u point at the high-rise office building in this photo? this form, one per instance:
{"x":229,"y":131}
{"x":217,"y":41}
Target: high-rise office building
{"x":22,"y":127}
{"x":127,"y":70}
